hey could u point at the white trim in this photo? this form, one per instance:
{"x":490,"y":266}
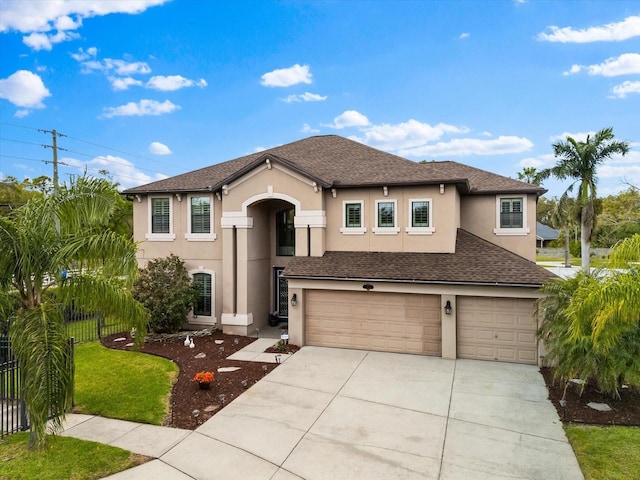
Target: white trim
{"x":200,"y":237}
{"x":310,"y":218}
{"x":242,"y":319}
{"x":387,"y":230}
{"x":353,"y":230}
{"x":410,"y":229}
{"x":159,"y":237}
{"x":500,"y":231}
{"x":236,"y":219}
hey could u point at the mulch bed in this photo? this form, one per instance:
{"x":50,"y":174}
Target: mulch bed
{"x":186,"y":397}
{"x":624,"y":411}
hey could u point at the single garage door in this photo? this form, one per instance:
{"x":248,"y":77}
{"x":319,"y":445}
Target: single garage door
{"x":388,"y":322}
{"x":500,"y":329}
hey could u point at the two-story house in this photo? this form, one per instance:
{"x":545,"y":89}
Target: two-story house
{"x":356,"y":248}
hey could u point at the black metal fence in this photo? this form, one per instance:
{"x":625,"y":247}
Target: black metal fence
{"x":85,"y":327}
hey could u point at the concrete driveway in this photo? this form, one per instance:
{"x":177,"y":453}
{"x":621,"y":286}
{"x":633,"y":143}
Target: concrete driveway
{"x":346,"y":414}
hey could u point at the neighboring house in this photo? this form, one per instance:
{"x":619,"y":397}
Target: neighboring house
{"x":356,"y":248}
{"x":545,"y":234}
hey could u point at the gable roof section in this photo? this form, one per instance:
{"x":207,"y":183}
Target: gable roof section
{"x":545,"y":232}
{"x":475,"y":262}
{"x":338,"y":162}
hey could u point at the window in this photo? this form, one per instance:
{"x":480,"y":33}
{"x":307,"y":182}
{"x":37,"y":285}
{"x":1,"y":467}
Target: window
{"x":160,"y":226}
{"x":285,"y":233}
{"x":200,"y":215}
{"x":511,"y":216}
{"x":353,"y":217}
{"x":386,"y":217}
{"x":160,"y":215}
{"x":202,"y":282}
{"x":420,"y":220}
{"x":200,"y":219}
{"x":511,"y":213}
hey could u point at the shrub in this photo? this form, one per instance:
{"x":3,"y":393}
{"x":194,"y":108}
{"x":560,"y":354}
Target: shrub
{"x":165,"y":289}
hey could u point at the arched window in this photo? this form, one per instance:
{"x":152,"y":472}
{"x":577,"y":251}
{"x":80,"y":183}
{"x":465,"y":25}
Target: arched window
{"x":203,"y":286}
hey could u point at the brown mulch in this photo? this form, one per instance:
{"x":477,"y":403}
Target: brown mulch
{"x":186,"y":397}
{"x":624,"y":411}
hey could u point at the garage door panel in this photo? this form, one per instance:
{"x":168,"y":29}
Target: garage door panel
{"x":496,"y":329}
{"x":374,"y":321}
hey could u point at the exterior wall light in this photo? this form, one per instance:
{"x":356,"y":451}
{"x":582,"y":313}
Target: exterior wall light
{"x":448,"y":308}
{"x":294,"y":300}
{"x":367,"y":287}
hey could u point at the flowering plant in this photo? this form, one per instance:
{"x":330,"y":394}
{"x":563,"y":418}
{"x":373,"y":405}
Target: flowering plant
{"x":203,"y":377}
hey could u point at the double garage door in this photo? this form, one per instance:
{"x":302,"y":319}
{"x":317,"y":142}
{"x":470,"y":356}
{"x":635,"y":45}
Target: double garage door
{"x":500,"y":329}
{"x":488,"y":328}
{"x":388,"y":322}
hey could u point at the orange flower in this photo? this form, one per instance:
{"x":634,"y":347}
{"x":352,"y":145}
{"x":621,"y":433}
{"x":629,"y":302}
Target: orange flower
{"x":203,"y":377}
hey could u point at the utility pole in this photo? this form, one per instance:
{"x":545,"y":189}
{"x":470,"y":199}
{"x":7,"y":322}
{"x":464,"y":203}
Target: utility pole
{"x":55,"y":148}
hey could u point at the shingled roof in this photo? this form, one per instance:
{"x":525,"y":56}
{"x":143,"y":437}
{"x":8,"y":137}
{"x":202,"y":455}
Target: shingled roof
{"x":475,"y":262}
{"x":338,"y":162}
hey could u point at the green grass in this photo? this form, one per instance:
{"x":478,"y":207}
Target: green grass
{"x":610,"y":453}
{"x":576,"y":262}
{"x":121,"y":384}
{"x":64,"y":457}
{"x":87,"y":330}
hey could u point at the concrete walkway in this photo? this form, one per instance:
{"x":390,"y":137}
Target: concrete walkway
{"x":347,"y":414}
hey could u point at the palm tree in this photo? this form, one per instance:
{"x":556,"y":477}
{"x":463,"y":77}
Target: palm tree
{"x":579,"y":162}
{"x":41,"y":241}
{"x":591,"y":323}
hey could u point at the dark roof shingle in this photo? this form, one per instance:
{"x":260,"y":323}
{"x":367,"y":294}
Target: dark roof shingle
{"x":339,"y":162}
{"x":475,"y":261}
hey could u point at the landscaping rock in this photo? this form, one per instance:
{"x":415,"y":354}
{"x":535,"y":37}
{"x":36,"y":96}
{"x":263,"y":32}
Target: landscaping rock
{"x":129,"y":345}
{"x":228,"y":369}
{"x":200,"y":355}
{"x":601,"y":407}
{"x":218,"y":342}
{"x":212,"y":408}
{"x":121,"y":339}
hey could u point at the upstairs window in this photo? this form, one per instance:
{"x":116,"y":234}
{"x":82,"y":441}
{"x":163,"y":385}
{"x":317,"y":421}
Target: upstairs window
{"x":386,"y":217}
{"x":285,"y":233}
{"x":200,"y":215}
{"x":160,"y":215}
{"x":353,"y":217}
{"x":420,"y":221}
{"x":511,"y":215}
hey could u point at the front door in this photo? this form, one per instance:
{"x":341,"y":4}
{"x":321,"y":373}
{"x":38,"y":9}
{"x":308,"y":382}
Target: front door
{"x":281,"y":293}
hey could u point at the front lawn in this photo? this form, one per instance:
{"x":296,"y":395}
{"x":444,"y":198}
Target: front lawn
{"x":120,"y":384}
{"x":65,"y":457}
{"x":609,"y":453}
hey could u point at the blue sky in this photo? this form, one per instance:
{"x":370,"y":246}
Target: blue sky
{"x":151,"y":88}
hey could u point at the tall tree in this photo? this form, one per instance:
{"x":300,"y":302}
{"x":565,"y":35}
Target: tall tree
{"x":64,"y":232}
{"x":579,"y":162}
{"x":530,"y":175}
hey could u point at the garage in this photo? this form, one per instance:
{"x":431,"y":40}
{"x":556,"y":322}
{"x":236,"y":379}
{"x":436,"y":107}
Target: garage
{"x":500,"y":329}
{"x":388,"y":322}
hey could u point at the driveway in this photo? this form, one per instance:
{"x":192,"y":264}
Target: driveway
{"x":348,"y":414}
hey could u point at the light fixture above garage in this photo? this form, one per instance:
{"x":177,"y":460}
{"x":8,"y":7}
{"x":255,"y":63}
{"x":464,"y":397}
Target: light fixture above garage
{"x":367,"y":287}
{"x":448,"y":308}
{"x":294,"y":300}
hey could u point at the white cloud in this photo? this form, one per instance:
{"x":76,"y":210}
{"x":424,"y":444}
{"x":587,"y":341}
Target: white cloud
{"x":464,"y":35}
{"x":123,"y":83}
{"x":625,"y":64}
{"x":285,"y":77}
{"x":611,"y":32}
{"x":471,"y":146}
{"x":306,"y":128}
{"x":305,"y":97}
{"x":83,"y":55}
{"x":22,"y":113}
{"x":349,"y":118}
{"x":117,"y":66}
{"x":158,"y":148}
{"x":578,"y":136}
{"x":539,"y":162}
{"x":623,"y":89}
{"x":406,"y":135}
{"x":61,"y":17}
{"x":173,"y":82}
{"x":123,"y":171}
{"x":142,"y":108}
{"x":24,"y":89}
